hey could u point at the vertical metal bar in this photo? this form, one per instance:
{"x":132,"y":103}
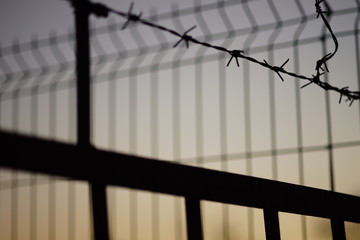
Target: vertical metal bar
{"x":52,"y":208}
{"x":357,"y":42}
{"x":223,"y":116}
{"x":299,"y":129}
{"x":15,"y":121}
{"x":72,"y":113}
{"x":223,"y":138}
{"x":3,"y":83}
{"x":14,"y":228}
{"x":133,"y":218}
{"x":60,"y":58}
{"x":98,"y":190}
{"x":273,"y":129}
{"x":1,"y":173}
{"x":133,"y":121}
{"x":52,"y":89}
{"x":34,"y":95}
{"x":272,"y":227}
{"x":33,"y":207}
{"x":328,"y":121}
{"x":72,"y":210}
{"x":112,"y":88}
{"x":15,"y":99}
{"x":248,"y":139}
{"x":113,"y":85}
{"x":99,"y":208}
{"x":177,"y":137}
{"x":133,"y":114}
{"x":223,"y":113}
{"x":272,"y":94}
{"x":155,"y":211}
{"x":83,"y":72}
{"x":154,"y":140}
{"x":176,"y":103}
{"x":113,"y":214}
{"x":112,"y":129}
{"x":133,"y":88}
{"x":154,"y":123}
{"x":199,"y":88}
{"x":199,"y":112}
{"x":176,"y":110}
{"x":298,"y":106}
{"x":193,"y":219}
{"x":178,"y":217}
{"x":247,"y":108}
{"x":338,"y":229}
{"x":199,"y":83}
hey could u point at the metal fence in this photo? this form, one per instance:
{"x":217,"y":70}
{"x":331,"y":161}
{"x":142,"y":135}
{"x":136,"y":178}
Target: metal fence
{"x":147,"y":100}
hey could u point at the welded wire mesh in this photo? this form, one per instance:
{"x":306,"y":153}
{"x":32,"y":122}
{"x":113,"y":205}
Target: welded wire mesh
{"x":185,"y":105}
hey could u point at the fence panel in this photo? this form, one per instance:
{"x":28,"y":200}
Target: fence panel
{"x":199,"y":104}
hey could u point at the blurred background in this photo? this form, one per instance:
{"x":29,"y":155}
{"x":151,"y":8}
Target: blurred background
{"x":181,"y":105}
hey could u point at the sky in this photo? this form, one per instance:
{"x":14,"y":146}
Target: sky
{"x":25,"y":20}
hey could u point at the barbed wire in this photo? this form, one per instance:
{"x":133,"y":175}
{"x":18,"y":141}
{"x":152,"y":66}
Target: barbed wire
{"x":101,"y":10}
{"x":328,"y":56}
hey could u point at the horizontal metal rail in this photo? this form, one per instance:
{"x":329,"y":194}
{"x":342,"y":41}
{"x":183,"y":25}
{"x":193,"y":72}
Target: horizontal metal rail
{"x":30,"y":154}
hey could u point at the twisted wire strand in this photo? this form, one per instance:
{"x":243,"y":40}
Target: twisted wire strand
{"x":328,"y":56}
{"x":101,"y":10}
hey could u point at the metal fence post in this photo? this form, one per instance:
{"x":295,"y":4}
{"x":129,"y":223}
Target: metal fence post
{"x":193,"y":219}
{"x":98,"y":190}
{"x":272,"y":227}
{"x":338,"y":229}
{"x":82,"y":72}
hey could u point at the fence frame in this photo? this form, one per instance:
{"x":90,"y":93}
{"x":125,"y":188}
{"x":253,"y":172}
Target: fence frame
{"x":83,"y":98}
{"x":81,"y":162}
{"x":135,"y":172}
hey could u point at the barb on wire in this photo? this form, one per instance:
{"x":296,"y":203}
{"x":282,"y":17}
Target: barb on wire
{"x":235,"y":54}
{"x":131,"y":17}
{"x":321,"y":62}
{"x":315,"y":79}
{"x":351,"y":101}
{"x":186,"y":38}
{"x":319,"y":11}
{"x":344,"y":90}
{"x":277,"y":69}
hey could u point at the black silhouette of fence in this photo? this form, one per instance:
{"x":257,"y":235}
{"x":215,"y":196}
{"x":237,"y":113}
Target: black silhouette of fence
{"x":36,"y":89}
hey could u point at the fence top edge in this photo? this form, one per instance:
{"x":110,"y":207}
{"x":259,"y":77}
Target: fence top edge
{"x":175,"y":179}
